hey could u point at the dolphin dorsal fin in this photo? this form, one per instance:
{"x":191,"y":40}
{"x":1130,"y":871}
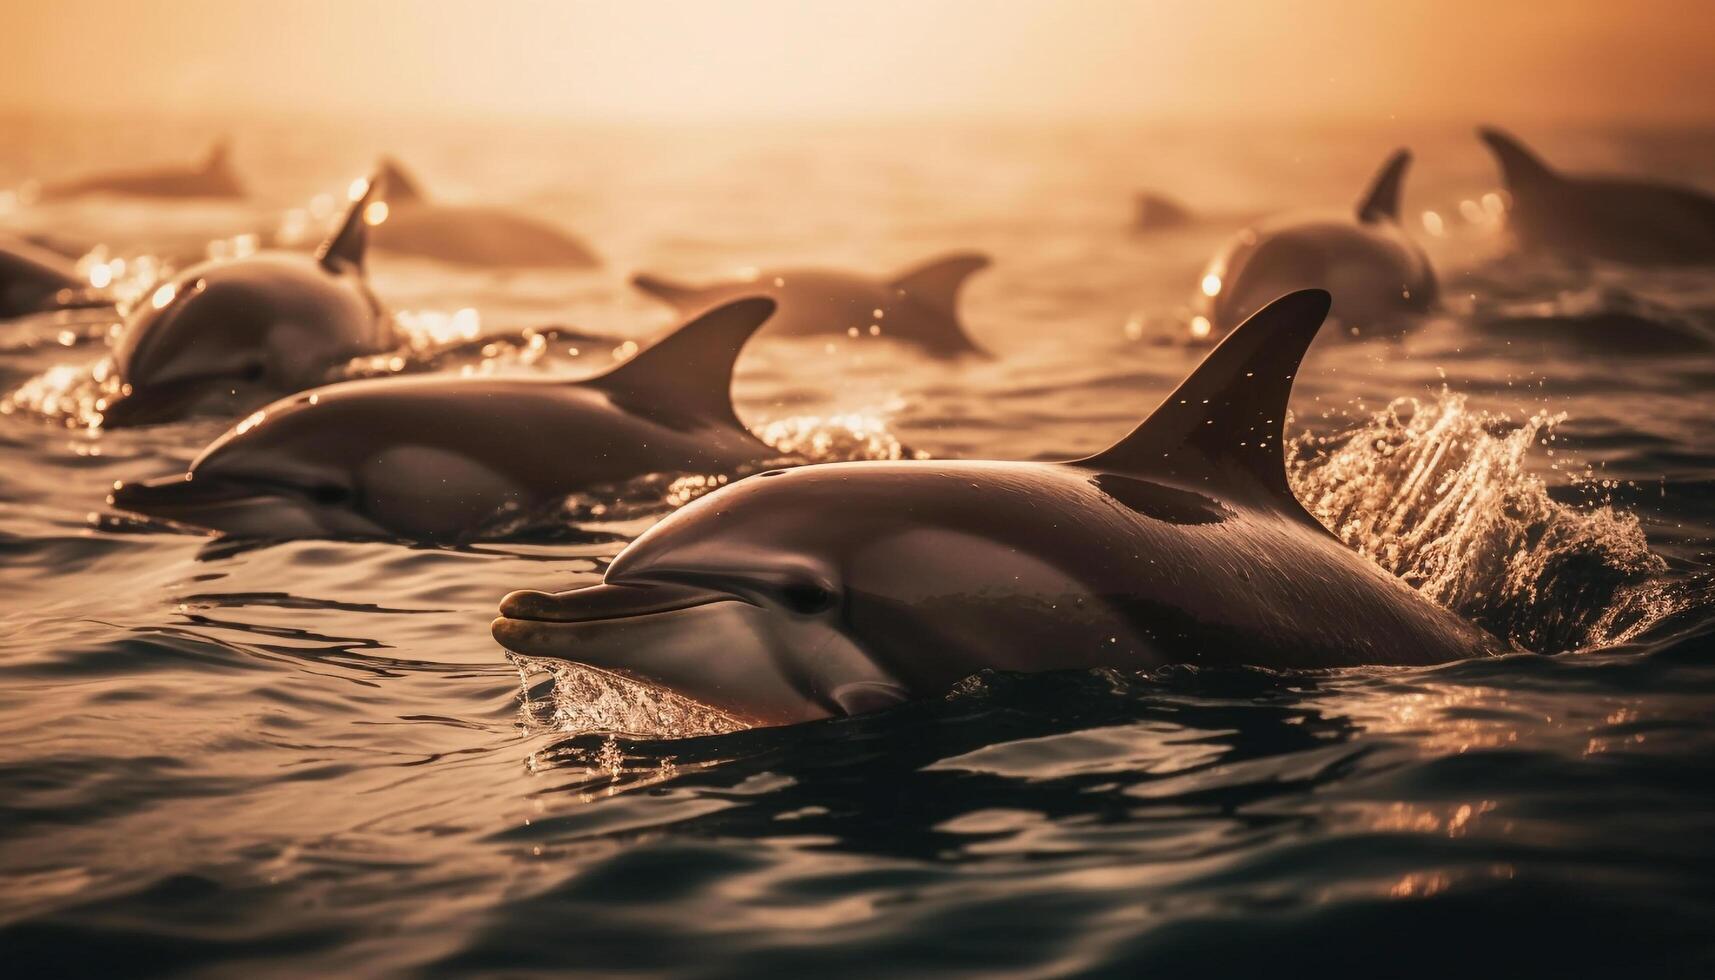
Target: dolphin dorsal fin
{"x":219,"y":158}
{"x":936,"y":283}
{"x":345,"y":247}
{"x":1520,"y":168}
{"x":1223,"y":425}
{"x":680,"y":296}
{"x":399,"y":187}
{"x":690,"y":370}
{"x":1381,"y":201}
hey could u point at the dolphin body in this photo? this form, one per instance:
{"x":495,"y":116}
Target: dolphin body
{"x":472,"y":235}
{"x":439,"y":459}
{"x":1375,"y":272}
{"x":840,"y":588}
{"x":918,"y":307}
{"x":233,"y":334}
{"x":35,"y":280}
{"x":1621,"y":219}
{"x":211,"y":178}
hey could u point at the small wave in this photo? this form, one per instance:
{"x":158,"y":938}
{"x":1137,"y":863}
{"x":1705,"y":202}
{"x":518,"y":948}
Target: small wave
{"x":1439,"y":494}
{"x":580,"y":700}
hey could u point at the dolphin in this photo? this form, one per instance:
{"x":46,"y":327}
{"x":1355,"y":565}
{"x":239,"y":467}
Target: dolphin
{"x":840,"y":588}
{"x":465,"y":234}
{"x":211,"y":178}
{"x":1621,"y":219}
{"x":440,"y":459}
{"x":1374,"y":270}
{"x":917,"y":307}
{"x":1154,"y":211}
{"x":35,"y":280}
{"x":231,"y":334}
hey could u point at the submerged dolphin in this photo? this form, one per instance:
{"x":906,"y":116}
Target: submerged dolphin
{"x":468,"y":234}
{"x":213,"y":177}
{"x":439,"y":459}
{"x":233,"y":334}
{"x":33,"y":280}
{"x":840,"y":588}
{"x":1373,"y":269}
{"x":1618,"y":218}
{"x":1154,"y":211}
{"x":918,"y":307}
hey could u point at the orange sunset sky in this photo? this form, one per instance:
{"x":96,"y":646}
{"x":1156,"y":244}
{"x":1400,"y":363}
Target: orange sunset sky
{"x":711,"y":59}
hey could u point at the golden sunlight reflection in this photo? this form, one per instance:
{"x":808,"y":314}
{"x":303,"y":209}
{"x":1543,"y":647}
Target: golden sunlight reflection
{"x":375,"y":213}
{"x":836,"y":437}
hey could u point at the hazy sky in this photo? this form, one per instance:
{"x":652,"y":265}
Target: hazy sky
{"x":712,"y":59}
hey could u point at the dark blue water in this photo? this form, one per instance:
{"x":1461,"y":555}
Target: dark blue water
{"x":311,"y":758}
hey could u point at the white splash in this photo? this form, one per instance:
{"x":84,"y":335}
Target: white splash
{"x":584,"y":700}
{"x":1432,"y":493}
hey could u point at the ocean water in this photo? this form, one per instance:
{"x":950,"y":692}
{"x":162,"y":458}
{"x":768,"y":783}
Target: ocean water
{"x":310,"y":757}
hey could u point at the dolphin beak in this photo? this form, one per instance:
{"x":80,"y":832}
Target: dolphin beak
{"x":200,"y":502}
{"x":169,"y":495}
{"x":699,"y":643}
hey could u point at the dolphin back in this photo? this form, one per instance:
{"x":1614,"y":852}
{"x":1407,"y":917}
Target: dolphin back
{"x":680,"y":296}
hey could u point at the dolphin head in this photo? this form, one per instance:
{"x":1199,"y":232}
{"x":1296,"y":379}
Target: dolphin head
{"x":224,"y":331}
{"x":279,"y":473}
{"x":344,"y":461}
{"x":1362,"y":257}
{"x":815,"y":592}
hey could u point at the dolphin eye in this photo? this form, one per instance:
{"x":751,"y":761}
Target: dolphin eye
{"x":328,"y":494}
{"x":806,"y":597}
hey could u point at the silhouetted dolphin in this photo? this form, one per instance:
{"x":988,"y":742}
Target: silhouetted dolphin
{"x":1374,"y":271}
{"x":439,"y":459}
{"x":839,"y":588}
{"x":213,"y":177}
{"x":1618,"y":218}
{"x":1154,"y":211}
{"x":918,"y":307}
{"x":469,"y":234}
{"x":233,"y":334}
{"x":33,"y":279}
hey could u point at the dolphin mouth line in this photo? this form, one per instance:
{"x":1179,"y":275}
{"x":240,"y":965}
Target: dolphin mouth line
{"x":607,"y":603}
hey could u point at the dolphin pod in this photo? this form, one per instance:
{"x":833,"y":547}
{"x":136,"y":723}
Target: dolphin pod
{"x":917,"y":307}
{"x":229,"y":335}
{"x":469,"y":234}
{"x":1375,"y":272}
{"x":841,"y":588}
{"x":441,"y":459}
{"x":1622,"y":219}
{"x":213,"y":177}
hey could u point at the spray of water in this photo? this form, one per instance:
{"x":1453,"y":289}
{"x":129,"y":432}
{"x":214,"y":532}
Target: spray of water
{"x":579,"y":700}
{"x":1440,"y":494}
